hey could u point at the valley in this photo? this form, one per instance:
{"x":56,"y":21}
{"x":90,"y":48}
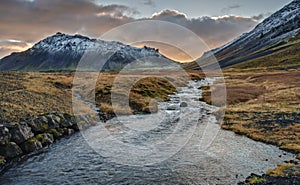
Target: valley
{"x":77,"y":158}
{"x":100,"y":111}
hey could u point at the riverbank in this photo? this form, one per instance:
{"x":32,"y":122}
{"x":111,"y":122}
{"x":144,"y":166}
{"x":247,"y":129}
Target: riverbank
{"x":288,"y":173}
{"x":17,"y":140}
{"x":25,"y":97}
{"x":228,"y":160}
{"x":264,"y":106}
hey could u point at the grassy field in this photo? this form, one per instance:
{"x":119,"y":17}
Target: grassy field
{"x":263,"y":105}
{"x":26,"y":95}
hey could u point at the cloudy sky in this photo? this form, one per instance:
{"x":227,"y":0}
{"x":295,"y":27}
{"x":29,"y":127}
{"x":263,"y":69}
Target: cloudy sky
{"x":24,"y":22}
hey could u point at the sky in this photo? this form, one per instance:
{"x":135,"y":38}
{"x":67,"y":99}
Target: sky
{"x":25,"y":22}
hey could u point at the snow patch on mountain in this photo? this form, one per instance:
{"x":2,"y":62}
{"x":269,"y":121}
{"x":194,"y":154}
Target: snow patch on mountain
{"x":79,"y":44}
{"x":281,"y":25}
{"x":63,"y":52}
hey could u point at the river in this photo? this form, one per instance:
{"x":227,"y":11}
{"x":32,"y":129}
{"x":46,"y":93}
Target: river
{"x":178,"y":145}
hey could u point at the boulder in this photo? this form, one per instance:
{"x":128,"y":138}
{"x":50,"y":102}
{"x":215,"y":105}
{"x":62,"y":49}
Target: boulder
{"x":45,"y":139}
{"x":20,"y":132}
{"x":68,"y":131}
{"x":39,"y":125}
{"x":56,"y":134}
{"x":76,"y":127}
{"x":66,"y":120}
{"x":53,"y":121}
{"x":31,"y":145}
{"x":4,"y":135}
{"x":60,"y":130}
{"x":10,"y":150}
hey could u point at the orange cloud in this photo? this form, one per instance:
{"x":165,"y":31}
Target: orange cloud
{"x":8,"y":46}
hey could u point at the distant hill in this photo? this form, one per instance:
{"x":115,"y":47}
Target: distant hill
{"x":62,"y":52}
{"x":275,"y":42}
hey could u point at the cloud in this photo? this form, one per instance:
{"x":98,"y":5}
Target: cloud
{"x":116,"y":11}
{"x":16,"y":43}
{"x":31,"y":21}
{"x":261,"y":16}
{"x":213,"y":30}
{"x":149,"y":3}
{"x":171,"y":16}
{"x":228,"y":9}
{"x":9,"y":46}
{"x":165,"y":14}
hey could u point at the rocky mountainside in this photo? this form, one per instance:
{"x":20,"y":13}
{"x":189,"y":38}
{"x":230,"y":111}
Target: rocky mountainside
{"x":62,"y":52}
{"x":265,"y":39}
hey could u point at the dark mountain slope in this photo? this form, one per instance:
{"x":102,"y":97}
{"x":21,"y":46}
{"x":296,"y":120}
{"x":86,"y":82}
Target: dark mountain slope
{"x":270,"y":36}
{"x":62,"y":52}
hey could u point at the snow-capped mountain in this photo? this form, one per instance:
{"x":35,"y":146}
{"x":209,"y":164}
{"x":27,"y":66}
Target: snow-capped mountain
{"x":272,"y":32}
{"x":63,"y":52}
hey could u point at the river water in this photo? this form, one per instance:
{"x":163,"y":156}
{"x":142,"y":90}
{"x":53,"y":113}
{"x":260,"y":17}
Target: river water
{"x":178,"y":145}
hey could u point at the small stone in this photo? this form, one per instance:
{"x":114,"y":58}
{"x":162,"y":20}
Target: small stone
{"x":68,"y":131}
{"x":4,"y":135}
{"x":2,"y":161}
{"x":183,"y":104}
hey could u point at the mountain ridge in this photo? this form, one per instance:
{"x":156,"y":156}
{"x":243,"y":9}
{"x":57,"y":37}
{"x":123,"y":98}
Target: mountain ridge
{"x":273,"y":32}
{"x":62,"y":52}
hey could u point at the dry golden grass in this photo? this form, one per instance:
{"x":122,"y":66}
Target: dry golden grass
{"x":264,"y":105}
{"x":24,"y":95}
{"x":30,"y":94}
{"x":140,"y":90}
{"x":285,"y":170}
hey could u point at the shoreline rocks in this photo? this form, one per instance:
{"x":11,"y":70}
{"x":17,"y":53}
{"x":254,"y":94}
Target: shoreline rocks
{"x":31,"y":135}
{"x":264,"y":179}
